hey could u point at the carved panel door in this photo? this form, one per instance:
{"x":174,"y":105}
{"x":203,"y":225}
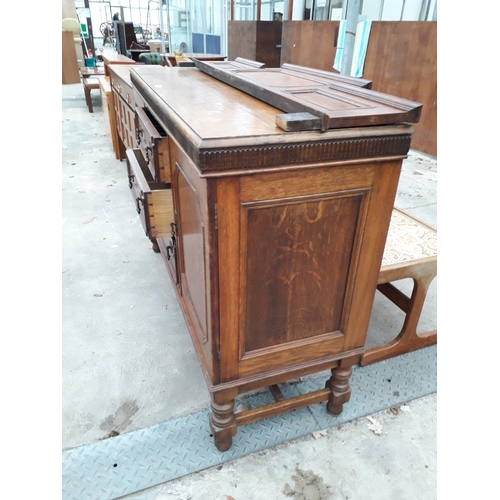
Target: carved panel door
{"x":296,"y":270}
{"x":193,"y":239}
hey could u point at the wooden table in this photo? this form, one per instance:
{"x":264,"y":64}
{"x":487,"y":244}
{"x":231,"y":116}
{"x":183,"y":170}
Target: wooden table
{"x":273,"y":239}
{"x":90,"y":72}
{"x":115,"y":58}
{"x":90,"y":82}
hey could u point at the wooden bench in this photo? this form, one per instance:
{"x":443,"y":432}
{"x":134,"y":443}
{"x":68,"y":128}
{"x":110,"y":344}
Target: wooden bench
{"x":410,"y":252}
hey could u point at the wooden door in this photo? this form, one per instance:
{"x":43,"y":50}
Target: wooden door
{"x":195,"y":233}
{"x":297,"y":253}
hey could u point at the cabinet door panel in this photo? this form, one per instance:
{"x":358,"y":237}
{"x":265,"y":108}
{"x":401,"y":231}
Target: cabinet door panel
{"x":291,"y":257}
{"x":195,"y":234}
{"x":193,"y":267}
{"x":298,"y":256}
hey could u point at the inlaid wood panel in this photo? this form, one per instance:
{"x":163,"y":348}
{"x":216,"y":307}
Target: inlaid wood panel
{"x":298,"y":255}
{"x":289,"y":264}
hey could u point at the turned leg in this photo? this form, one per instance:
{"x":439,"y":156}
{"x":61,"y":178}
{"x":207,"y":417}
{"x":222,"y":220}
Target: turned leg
{"x":155,"y":246}
{"x":222,"y":420}
{"x":338,"y":384}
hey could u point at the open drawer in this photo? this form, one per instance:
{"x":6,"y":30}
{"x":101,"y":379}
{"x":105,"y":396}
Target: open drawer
{"x":153,"y":200}
{"x":152,"y":140}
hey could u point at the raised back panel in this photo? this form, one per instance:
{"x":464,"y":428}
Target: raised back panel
{"x":298,"y":256}
{"x":273,"y":86}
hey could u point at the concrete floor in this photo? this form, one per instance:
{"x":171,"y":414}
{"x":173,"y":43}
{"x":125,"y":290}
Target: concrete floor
{"x":128,"y":361}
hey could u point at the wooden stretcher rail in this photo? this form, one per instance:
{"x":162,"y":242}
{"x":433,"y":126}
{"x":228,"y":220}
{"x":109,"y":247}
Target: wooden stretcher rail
{"x":269,"y":410}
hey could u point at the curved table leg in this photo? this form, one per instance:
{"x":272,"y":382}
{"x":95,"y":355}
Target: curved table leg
{"x":408,"y":339}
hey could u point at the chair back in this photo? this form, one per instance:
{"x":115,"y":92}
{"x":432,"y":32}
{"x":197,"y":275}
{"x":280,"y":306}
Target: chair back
{"x":151,"y":58}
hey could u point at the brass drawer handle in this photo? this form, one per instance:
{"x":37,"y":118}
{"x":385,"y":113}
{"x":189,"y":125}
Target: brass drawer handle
{"x":137,"y":200}
{"x":131,"y":179}
{"x":138,"y":133}
{"x":171,"y":245}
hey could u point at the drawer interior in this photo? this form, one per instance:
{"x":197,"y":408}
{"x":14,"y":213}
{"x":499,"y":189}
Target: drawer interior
{"x":155,"y":123}
{"x":155,"y":197}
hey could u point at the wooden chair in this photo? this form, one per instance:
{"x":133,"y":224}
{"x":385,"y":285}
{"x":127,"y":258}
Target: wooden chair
{"x":410,"y":252}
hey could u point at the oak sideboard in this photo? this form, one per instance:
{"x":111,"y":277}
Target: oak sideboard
{"x":269,"y":198}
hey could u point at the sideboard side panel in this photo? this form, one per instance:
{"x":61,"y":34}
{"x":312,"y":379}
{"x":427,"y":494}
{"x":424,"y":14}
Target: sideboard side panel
{"x":195,"y":225}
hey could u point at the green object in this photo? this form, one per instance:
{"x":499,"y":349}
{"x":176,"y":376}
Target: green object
{"x":84,"y":32}
{"x":151,"y":58}
{"x":89,"y":62}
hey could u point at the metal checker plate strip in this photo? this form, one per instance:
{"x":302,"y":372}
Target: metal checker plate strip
{"x":131,"y":462}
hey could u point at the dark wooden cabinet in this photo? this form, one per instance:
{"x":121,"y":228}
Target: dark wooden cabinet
{"x":274,"y":239}
{"x":255,"y":40}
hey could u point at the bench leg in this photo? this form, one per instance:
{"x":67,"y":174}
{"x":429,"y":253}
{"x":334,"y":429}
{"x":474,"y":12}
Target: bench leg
{"x":88,"y":99}
{"x":408,"y":338}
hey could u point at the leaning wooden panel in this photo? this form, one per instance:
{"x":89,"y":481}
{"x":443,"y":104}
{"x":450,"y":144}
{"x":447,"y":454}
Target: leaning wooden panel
{"x":401,"y":59}
{"x":335,"y":103}
{"x":310,"y":43}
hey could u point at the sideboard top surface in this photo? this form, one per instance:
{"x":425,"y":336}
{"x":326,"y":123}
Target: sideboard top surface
{"x":212,"y":109}
{"x":206,"y":115}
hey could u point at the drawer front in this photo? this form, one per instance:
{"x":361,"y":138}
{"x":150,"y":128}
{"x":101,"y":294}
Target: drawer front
{"x":125,"y":121}
{"x":123,"y":89}
{"x":153,"y":201}
{"x":152,"y":140}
